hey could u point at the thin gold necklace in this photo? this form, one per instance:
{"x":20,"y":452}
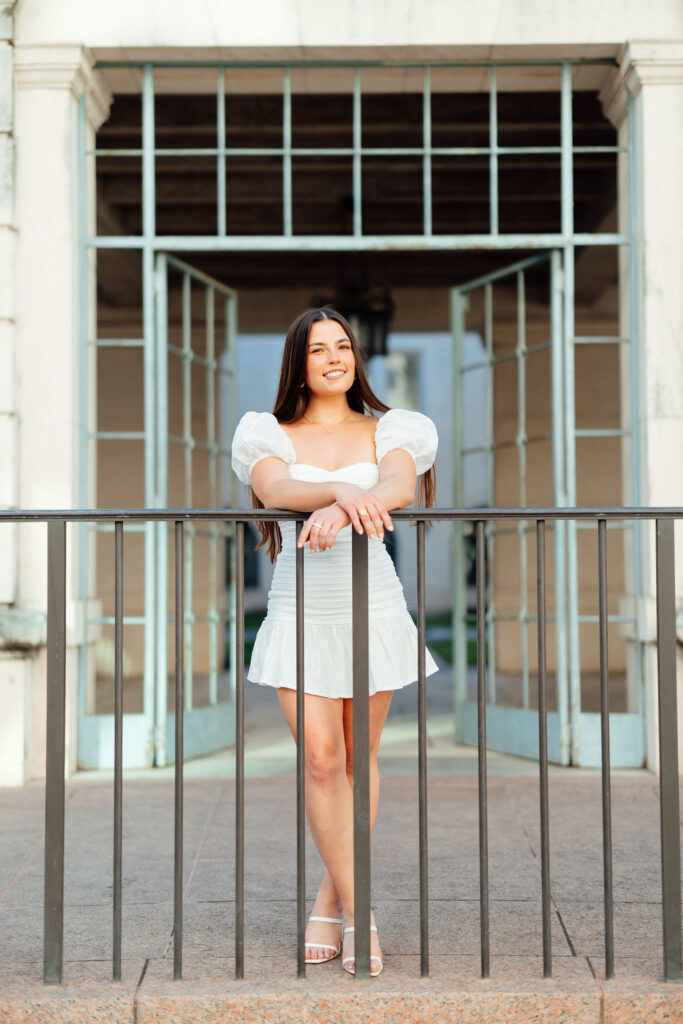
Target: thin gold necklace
{"x":327,"y":429}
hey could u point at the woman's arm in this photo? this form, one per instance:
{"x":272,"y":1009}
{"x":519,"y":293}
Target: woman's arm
{"x":272,"y":484}
{"x":366,"y":510}
{"x":397,"y":479}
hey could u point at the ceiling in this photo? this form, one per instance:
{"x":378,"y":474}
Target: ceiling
{"x":322,"y":190}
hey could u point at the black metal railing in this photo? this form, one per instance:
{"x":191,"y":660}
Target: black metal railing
{"x":668,"y":737}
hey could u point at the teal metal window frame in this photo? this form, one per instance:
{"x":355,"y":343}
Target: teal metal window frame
{"x":149,"y":243}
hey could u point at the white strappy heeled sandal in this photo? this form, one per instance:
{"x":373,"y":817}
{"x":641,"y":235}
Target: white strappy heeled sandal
{"x":325,"y":945}
{"x":352,"y":959}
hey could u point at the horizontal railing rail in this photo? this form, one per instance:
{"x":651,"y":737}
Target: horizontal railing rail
{"x":57,"y":520}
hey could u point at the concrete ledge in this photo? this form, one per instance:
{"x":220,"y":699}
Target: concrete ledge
{"x":87,"y":995}
{"x":21,"y":629}
{"x":515,"y":993}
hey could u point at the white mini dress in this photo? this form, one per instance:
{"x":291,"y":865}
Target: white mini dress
{"x":328,"y":661}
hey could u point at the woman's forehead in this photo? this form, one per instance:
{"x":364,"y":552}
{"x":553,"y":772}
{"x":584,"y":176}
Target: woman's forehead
{"x":327,"y":330}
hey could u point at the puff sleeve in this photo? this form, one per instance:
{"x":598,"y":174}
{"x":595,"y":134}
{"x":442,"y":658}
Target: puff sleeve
{"x":412,"y":431}
{"x":258,"y":436}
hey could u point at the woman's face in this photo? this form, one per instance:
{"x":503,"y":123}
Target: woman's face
{"x":330,"y":364}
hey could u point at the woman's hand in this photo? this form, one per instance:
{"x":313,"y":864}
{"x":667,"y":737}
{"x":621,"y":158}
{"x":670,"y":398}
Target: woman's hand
{"x":322,"y":527}
{"x":367,"y":512}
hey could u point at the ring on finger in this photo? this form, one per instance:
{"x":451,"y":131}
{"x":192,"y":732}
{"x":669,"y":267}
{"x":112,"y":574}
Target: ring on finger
{"x":318,"y":525}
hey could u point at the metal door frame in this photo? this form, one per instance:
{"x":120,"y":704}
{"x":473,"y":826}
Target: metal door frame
{"x":149,"y":736}
{"x":210,"y":728}
{"x":573,"y":734}
{"x":512,"y":730}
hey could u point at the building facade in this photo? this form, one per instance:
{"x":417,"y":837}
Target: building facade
{"x":179,"y":180}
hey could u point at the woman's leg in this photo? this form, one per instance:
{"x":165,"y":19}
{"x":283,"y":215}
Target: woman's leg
{"x":379,"y":708}
{"x":328,"y":808}
{"x":329,"y":737}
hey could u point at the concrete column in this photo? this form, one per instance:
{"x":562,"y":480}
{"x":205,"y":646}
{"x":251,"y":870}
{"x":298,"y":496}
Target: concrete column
{"x":9,"y":476}
{"x":651,"y":73}
{"x":43,"y":421}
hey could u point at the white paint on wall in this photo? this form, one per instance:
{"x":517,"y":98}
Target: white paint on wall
{"x":488,"y":24}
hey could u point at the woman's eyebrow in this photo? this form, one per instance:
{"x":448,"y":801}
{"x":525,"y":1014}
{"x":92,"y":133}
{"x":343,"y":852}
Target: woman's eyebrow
{"x":337,"y":341}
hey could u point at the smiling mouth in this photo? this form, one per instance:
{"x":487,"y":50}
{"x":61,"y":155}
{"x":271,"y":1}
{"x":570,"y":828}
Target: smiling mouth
{"x":334,"y":374}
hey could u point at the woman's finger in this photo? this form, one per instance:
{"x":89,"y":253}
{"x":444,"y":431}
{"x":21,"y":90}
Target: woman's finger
{"x":386,"y":518}
{"x":379,"y":511}
{"x":377,"y":522}
{"x":303,"y":535}
{"x":318,"y":531}
{"x":306,"y":529}
{"x":352,"y":513}
{"x":332,"y":535}
{"x":366,"y":519}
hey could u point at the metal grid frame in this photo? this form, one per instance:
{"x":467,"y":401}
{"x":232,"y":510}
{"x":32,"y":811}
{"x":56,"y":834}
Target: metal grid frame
{"x":561,"y":243}
{"x":285,"y":239}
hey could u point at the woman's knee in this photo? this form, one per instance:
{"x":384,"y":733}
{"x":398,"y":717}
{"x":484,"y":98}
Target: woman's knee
{"x":374,"y":750}
{"x":325,"y":761}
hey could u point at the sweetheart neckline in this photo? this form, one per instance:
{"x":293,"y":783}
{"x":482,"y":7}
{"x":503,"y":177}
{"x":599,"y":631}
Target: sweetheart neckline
{"x":349,"y":465}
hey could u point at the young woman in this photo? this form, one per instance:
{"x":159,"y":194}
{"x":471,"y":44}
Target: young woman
{"x":322,"y":452}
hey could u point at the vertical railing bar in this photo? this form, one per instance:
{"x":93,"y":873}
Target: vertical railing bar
{"x":481,"y":750}
{"x":357,"y":142}
{"x":118,"y":747}
{"x":220,"y":163}
{"x":300,"y":766}
{"x":53,"y":909}
{"x":493,"y":157}
{"x":543,"y":746}
{"x":178,"y":754}
{"x":669,"y":801}
{"x":239,"y":750}
{"x":604,"y":733}
{"x":287,"y":152}
{"x":361,"y":756}
{"x":422,"y":751}
{"x":427,"y":154}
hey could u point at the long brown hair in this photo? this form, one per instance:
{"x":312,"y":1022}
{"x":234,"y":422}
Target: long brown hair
{"x":292,"y":399}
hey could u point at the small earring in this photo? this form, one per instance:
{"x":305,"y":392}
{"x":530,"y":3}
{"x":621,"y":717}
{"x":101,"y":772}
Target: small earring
{"x":302,"y":385}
